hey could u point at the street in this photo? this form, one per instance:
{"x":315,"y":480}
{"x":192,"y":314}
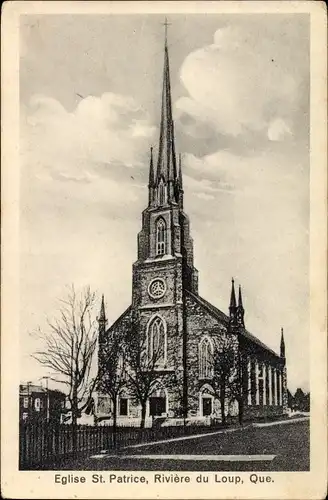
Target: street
{"x":279,"y":447}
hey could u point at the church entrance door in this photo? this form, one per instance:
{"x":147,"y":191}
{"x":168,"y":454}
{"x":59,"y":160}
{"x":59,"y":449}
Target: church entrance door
{"x":206,"y":406}
{"x":157,"y":406}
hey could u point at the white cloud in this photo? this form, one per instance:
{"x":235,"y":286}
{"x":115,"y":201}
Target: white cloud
{"x":278,"y":130}
{"x":107,"y":129}
{"x":78,"y":199}
{"x":205,"y":196}
{"x":244,"y":82}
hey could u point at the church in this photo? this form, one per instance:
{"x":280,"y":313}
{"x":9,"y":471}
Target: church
{"x":171,"y":314}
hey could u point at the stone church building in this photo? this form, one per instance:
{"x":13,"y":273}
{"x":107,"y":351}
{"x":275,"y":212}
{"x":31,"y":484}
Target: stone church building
{"x":173,"y":315}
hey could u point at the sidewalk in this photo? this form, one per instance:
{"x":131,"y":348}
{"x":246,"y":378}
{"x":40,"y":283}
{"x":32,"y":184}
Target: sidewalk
{"x":281,"y":422}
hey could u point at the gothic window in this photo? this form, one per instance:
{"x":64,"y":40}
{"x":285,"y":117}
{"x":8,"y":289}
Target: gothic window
{"x":161,"y":193}
{"x":160,"y":237}
{"x":205,"y":359}
{"x":156,"y":341}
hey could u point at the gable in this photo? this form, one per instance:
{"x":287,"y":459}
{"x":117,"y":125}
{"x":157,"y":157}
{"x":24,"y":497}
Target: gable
{"x":121,"y":325}
{"x":203,"y":319}
{"x":248,"y":339}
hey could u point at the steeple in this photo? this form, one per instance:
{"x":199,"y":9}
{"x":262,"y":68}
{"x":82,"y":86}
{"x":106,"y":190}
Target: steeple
{"x":282,"y":345}
{"x":165,"y":235}
{"x":166,"y":163}
{"x":240,"y":309}
{"x":232,"y":306}
{"x":102,"y":320}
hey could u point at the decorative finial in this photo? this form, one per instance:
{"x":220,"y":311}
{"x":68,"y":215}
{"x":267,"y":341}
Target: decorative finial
{"x":282,"y":345}
{"x":232,"y":306}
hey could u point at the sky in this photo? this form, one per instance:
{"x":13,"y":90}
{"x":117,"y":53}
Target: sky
{"x":90,"y":93}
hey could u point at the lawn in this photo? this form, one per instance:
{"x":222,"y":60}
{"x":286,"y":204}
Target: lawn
{"x":289,"y":442}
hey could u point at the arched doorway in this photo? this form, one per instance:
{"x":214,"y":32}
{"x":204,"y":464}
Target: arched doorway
{"x":158,"y":402}
{"x":206,"y":401}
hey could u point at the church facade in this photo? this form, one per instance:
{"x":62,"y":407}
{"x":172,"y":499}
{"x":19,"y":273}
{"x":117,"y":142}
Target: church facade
{"x":172,"y":315}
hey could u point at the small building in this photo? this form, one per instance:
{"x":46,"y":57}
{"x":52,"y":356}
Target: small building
{"x":37,"y":403}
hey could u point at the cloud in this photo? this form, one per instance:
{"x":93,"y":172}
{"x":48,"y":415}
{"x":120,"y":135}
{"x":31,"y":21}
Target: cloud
{"x":205,"y":196}
{"x":245,"y":83}
{"x":107,"y":129}
{"x":78,"y":197}
{"x":84,"y":164}
{"x":278,"y":130}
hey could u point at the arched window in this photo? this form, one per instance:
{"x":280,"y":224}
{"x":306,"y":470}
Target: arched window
{"x":156,"y":342}
{"x":160,"y":237}
{"x":205,"y":359}
{"x":161,"y":193}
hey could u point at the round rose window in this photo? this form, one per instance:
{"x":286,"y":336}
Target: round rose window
{"x":157,"y":288}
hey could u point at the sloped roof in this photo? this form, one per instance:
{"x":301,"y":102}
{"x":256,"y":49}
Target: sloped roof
{"x":214,"y":310}
{"x":225,"y":319}
{"x":119,"y":318}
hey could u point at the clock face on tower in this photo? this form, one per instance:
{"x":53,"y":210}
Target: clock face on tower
{"x":157,"y":288}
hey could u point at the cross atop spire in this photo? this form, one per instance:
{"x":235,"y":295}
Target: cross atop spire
{"x":166,"y":25}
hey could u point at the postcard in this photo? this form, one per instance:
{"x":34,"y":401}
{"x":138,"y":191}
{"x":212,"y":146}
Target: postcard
{"x":164,"y":253}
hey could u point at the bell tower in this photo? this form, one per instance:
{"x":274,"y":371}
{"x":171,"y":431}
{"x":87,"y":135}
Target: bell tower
{"x":165,"y":247}
{"x":164,"y":268}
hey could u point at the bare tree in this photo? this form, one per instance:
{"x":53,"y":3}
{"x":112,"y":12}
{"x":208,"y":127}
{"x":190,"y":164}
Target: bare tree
{"x":186,"y":398}
{"x":69,"y":347}
{"x":238,"y":387}
{"x":225,"y":372}
{"x":144,"y":358}
{"x":112,"y":374}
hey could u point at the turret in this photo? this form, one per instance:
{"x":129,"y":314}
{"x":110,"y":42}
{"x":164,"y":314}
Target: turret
{"x":233,"y":305}
{"x":240,"y":309}
{"x":102,"y":320}
{"x":282,"y":345}
{"x":179,"y":183}
{"x":151,"y":182}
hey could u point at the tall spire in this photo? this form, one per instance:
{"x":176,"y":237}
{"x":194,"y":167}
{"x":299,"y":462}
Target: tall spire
{"x":282,"y":345}
{"x":232,"y":307}
{"x":166,"y":164}
{"x":240,"y":308}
